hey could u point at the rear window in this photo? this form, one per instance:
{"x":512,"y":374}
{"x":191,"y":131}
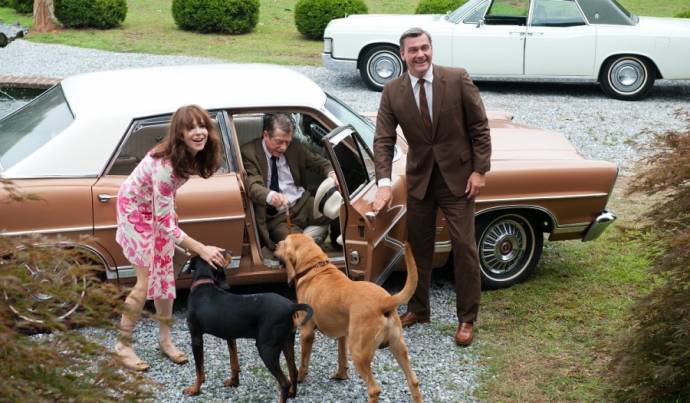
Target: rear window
{"x":33,"y":126}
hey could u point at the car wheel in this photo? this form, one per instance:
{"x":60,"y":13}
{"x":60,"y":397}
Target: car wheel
{"x":379,"y":65}
{"x":29,"y":300}
{"x":509,"y":249}
{"x":627,"y":77}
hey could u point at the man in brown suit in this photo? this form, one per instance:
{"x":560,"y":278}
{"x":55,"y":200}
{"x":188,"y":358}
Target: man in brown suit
{"x":443,"y":119}
{"x":276,"y":173}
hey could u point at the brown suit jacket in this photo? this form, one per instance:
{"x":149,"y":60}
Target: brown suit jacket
{"x":299,"y":159}
{"x":459,"y":142}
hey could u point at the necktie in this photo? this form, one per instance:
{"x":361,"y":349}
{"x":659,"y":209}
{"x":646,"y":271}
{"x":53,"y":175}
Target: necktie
{"x":274,"y":184}
{"x":424,"y":105}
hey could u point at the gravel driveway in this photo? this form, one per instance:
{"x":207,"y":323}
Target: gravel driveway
{"x":599,"y":127}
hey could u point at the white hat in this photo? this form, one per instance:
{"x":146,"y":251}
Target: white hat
{"x":328,"y":200}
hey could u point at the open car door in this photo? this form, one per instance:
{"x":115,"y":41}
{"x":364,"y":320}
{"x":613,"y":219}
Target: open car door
{"x":373,"y":242}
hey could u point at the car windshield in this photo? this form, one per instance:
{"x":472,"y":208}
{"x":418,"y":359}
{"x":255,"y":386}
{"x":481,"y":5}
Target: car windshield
{"x":347,"y":116}
{"x":462,"y":10}
{"x":33,"y":126}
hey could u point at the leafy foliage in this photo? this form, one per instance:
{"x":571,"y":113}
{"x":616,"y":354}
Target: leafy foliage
{"x":683,"y":14}
{"x":41,"y":283}
{"x":221,"y":16}
{"x":22,"y":6}
{"x":653,"y":359}
{"x":100,"y":14}
{"x":312,"y":16}
{"x":437,"y":6}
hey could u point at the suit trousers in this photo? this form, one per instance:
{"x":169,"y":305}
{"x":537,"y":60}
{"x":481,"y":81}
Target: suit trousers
{"x":459,"y":213}
{"x":301,"y":216}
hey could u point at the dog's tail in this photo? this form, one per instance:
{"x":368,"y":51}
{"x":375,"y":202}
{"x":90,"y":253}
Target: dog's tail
{"x":306,"y":308}
{"x":406,"y":293}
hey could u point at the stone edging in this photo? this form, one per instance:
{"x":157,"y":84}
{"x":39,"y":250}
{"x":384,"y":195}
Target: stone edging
{"x":28,"y":82}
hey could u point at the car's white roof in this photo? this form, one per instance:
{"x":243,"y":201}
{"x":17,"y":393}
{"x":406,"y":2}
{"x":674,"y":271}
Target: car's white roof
{"x":158,"y":90}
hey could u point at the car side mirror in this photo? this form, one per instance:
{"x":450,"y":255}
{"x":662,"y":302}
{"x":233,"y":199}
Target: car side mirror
{"x":480,"y":22}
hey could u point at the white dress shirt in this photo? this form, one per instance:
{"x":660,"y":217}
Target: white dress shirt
{"x":285,"y":180}
{"x":428,"y":88}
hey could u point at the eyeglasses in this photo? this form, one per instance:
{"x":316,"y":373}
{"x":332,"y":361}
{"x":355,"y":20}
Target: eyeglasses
{"x":280,"y":142}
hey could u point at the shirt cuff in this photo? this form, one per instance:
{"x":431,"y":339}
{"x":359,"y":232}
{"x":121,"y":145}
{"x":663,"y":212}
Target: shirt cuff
{"x":385,"y":182}
{"x":269,"y":197}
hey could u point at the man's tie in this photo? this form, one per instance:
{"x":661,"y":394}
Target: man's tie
{"x":424,"y":105}
{"x":274,"y":184}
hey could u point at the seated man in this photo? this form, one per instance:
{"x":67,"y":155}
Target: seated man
{"x":276,"y":171}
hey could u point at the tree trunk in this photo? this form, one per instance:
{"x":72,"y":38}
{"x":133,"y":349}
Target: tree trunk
{"x":44,"y":18}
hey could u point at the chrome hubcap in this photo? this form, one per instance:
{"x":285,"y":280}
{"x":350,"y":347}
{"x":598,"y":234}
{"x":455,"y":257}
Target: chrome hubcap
{"x":628,"y":76}
{"x":503,"y":246}
{"x":383,"y":67}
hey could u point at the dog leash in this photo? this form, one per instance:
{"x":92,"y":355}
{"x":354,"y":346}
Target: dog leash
{"x":289,"y":221}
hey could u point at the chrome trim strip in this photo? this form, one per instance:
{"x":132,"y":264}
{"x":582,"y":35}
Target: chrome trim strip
{"x":395,"y":221}
{"x":188,"y":221}
{"x":443,"y":247}
{"x":521,"y":207}
{"x":47,"y":231}
{"x":572,"y":196}
{"x":570,"y":228}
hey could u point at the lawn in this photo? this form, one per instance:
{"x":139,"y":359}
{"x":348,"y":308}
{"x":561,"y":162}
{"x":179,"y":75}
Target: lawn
{"x":149,"y":28}
{"x":550,"y":338}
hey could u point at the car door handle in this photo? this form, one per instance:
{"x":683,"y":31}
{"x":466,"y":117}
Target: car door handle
{"x":535,"y":33}
{"x":103,"y":198}
{"x":518,"y":33}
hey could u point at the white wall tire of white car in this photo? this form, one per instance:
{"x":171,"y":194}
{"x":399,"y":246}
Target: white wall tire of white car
{"x":627,"y":77}
{"x":379,"y":65}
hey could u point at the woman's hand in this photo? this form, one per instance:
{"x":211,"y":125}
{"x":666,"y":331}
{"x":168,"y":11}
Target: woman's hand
{"x":213,"y":255}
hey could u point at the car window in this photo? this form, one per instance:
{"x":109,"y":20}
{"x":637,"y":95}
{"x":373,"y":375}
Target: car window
{"x":459,"y":12}
{"x":507,"y":12}
{"x":556,"y":13}
{"x":143,"y":135}
{"x":476,"y":15}
{"x":607,"y":12}
{"x":355,"y":161}
{"x":33,"y":126}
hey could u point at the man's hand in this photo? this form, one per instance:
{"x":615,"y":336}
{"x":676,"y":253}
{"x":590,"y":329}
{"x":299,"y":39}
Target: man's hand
{"x":279,"y":200}
{"x":475,"y":184}
{"x":383,"y":198}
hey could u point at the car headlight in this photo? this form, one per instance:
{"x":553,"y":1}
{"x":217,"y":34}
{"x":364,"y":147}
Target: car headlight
{"x":327,"y":45}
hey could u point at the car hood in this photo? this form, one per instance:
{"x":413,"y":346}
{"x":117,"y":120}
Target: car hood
{"x":669,"y":25}
{"x":381,"y":22}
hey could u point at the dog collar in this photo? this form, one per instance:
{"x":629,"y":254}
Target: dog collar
{"x":304,"y":272}
{"x":197,"y":283}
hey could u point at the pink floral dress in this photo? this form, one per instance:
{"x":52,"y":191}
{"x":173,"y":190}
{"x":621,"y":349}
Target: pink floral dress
{"x":147,"y":224}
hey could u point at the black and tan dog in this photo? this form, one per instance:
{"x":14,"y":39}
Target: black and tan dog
{"x":266,"y":317}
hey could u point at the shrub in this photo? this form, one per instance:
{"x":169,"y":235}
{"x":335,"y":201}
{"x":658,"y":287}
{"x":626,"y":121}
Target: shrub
{"x":5,"y":3}
{"x":437,"y":6}
{"x":683,"y":14}
{"x":22,"y":6}
{"x":91,"y":13}
{"x":222,"y":16}
{"x":652,"y":361}
{"x":312,"y":16}
{"x":64,"y":365}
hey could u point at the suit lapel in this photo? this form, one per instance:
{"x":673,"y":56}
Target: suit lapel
{"x":261,"y":157}
{"x":291,"y":156}
{"x":439,"y":86}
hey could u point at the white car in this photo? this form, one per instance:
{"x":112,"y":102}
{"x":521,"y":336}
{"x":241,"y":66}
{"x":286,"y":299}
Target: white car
{"x":559,"y":40}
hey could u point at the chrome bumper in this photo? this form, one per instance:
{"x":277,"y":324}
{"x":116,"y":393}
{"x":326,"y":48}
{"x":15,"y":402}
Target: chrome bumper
{"x":598,"y":226}
{"x":341,"y":65}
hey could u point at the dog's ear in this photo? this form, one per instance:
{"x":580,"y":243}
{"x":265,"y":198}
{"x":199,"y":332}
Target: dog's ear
{"x":220,"y":278}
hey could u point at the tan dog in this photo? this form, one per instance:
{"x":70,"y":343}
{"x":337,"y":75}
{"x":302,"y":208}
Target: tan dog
{"x":360,"y":314}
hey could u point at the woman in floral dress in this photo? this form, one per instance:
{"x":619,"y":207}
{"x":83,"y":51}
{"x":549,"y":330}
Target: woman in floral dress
{"x":147,"y":224}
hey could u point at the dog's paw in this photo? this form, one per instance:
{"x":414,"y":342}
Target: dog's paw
{"x":340,"y":375}
{"x":192,"y":390}
{"x":232,"y":382}
{"x":292,"y":392}
{"x":300,"y":376}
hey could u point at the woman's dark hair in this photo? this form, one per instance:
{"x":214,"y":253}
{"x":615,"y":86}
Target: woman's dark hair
{"x":173,"y":148}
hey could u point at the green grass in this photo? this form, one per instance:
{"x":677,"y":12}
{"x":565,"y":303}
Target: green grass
{"x":549,"y":339}
{"x":149,"y":28}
